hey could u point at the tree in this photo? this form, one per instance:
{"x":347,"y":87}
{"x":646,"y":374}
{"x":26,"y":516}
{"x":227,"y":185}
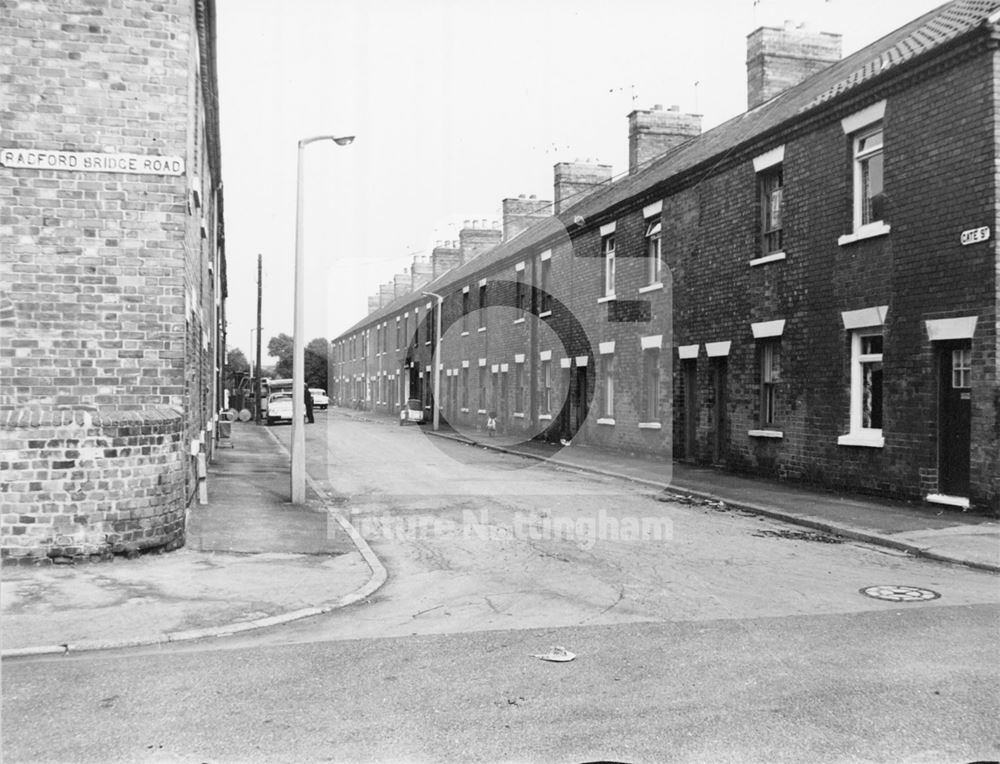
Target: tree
{"x":314,"y":359}
{"x":316,"y":354}
{"x":281,"y":347}
{"x":237,"y":367}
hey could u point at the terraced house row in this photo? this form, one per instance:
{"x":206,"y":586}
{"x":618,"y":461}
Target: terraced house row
{"x":807,"y":291}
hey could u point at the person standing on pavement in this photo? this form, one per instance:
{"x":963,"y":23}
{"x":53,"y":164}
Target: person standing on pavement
{"x":309,"y":406}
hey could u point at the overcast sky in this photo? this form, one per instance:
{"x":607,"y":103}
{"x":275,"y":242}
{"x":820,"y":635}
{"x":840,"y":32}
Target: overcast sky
{"x":456,"y":104}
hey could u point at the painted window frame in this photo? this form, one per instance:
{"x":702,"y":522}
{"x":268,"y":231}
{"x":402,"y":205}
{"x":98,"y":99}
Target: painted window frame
{"x":771,"y":185}
{"x":608,"y":386}
{"x":608,"y":271}
{"x":654,"y":251}
{"x":865,"y":215}
{"x":544,"y":282}
{"x":519,"y":391}
{"x":769,"y":377}
{"x":651,"y":381}
{"x":545,"y":382}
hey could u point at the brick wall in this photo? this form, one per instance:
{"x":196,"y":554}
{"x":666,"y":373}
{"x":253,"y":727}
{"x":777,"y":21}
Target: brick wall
{"x":79,"y":485}
{"x":111,"y":281}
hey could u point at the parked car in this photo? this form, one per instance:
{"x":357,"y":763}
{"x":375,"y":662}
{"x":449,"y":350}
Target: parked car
{"x":279,"y":407}
{"x":413,"y":411}
{"x":320,"y":399}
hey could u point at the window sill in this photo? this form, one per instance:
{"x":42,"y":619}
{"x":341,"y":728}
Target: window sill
{"x":765,"y":433}
{"x":518,"y":415}
{"x":465,"y":334}
{"x":651,"y":288}
{"x":771,"y":258}
{"x":607,"y":298}
{"x":545,"y":417}
{"x":650,"y":426}
{"x":606,"y":420}
{"x":869,"y":231}
{"x":481,"y":329}
{"x":518,"y":320}
{"x":481,"y":411}
{"x":545,"y":314}
{"x":865,"y":440}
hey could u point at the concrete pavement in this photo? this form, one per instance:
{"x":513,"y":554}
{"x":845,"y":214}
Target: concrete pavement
{"x":251,"y":559}
{"x":924,"y":530}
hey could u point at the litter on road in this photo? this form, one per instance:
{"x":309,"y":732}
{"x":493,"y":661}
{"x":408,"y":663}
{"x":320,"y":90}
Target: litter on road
{"x":557,"y":655}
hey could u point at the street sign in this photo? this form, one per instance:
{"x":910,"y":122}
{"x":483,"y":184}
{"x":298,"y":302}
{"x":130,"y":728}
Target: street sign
{"x":975,"y":235}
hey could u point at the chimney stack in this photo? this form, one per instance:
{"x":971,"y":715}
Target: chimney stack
{"x":386,"y":293}
{"x":423,"y":272}
{"x":403,"y":283}
{"x":573,"y":181}
{"x":444,"y":258}
{"x":473,"y":241}
{"x":652,"y":132}
{"x":778,"y":59}
{"x":373,"y":303}
{"x":522,"y":213}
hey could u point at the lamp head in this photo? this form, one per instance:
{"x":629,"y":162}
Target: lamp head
{"x":345,"y":140}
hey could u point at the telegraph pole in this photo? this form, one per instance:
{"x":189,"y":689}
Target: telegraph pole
{"x":256,"y":384}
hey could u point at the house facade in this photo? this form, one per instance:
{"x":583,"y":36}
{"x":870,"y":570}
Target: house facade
{"x":807,"y":291}
{"x":113,"y":274}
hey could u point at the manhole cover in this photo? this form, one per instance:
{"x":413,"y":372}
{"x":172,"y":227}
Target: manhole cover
{"x":899,"y":593}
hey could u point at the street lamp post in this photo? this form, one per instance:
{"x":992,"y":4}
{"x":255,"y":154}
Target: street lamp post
{"x":437,"y":358}
{"x":298,"y":330}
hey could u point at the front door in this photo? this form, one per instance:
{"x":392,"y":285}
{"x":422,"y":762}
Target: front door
{"x":579,"y":395}
{"x":954,"y":418}
{"x":504,"y":405}
{"x":690,"y":377}
{"x":719,"y":410}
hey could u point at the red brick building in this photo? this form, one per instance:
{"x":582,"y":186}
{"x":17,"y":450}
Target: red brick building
{"x":113,"y":273}
{"x":807,"y":291}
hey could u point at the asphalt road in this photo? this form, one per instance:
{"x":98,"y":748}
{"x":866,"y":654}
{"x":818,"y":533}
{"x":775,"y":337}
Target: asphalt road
{"x":716,"y":637}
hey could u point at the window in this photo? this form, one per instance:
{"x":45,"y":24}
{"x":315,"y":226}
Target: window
{"x":482,"y":387}
{"x":406,"y":334}
{"x":399,"y":336}
{"x":519,"y":290}
{"x":866,"y":390}
{"x":868,"y":178}
{"x":651,"y":386}
{"x":519,"y":387}
{"x":465,"y":386}
{"x":431,"y":323}
{"x":771,"y":183}
{"x":466,"y":300}
{"x":545,"y":403}
{"x":770,"y":368}
{"x":961,"y":368}
{"x":608,"y":274}
{"x":608,"y":376}
{"x":654,"y":251}
{"x":482,"y":306}
{"x":544,"y":276}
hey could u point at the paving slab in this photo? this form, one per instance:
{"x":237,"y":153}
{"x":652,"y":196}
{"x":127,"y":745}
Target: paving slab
{"x":251,"y":559}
